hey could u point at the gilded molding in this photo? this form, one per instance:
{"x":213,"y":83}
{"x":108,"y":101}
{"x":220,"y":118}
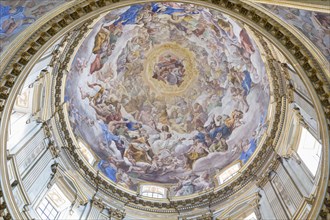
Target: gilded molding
{"x":116,"y":213}
{"x":264,"y":178}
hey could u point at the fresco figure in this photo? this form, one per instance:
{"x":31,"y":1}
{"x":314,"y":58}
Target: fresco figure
{"x":314,"y":25}
{"x":169,"y":70}
{"x":104,"y":43}
{"x":202,"y":182}
{"x":219,"y":144}
{"x":130,"y":15}
{"x":184,"y":186}
{"x":13,"y":20}
{"x":17,"y":15}
{"x":165,"y":9}
{"x":108,"y":169}
{"x":196,"y":151}
{"x":123,"y":179}
{"x":108,"y":136}
{"x":248,"y":148}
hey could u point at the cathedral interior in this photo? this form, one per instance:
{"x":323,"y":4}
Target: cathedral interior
{"x":139,"y":109}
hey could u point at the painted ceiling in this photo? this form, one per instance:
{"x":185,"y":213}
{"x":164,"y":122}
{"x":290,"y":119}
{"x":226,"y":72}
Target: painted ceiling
{"x":17,"y":15}
{"x":314,"y":25}
{"x":168,"y":93}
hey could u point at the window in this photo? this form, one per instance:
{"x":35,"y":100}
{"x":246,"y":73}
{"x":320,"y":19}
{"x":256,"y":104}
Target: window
{"x":17,"y":123}
{"x":309,"y":150}
{"x":86,"y":153}
{"x":46,"y":210}
{"x":153,"y":191}
{"x":229,"y":173}
{"x":252,"y":216}
{"x":23,"y":101}
{"x":54,"y":204}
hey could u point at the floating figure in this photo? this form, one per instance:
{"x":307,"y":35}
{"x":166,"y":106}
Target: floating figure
{"x":184,"y":185}
{"x":196,"y":151}
{"x":219,"y":144}
{"x":248,"y":148}
{"x":202,"y":182}
{"x":13,"y":20}
{"x":104,"y":43}
{"x":170,"y":70}
{"x":108,"y":169}
{"x":246,"y":42}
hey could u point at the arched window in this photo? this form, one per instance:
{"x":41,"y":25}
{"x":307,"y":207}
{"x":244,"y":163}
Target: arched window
{"x":228,"y":173}
{"x":153,"y":191}
{"x":309,"y":150}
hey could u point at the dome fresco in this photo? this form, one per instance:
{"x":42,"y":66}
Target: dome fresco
{"x":168,"y":93}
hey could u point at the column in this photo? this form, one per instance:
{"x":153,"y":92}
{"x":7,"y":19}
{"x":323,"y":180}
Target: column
{"x":274,"y":202}
{"x":96,"y":208}
{"x":39,"y":175}
{"x":298,"y":175}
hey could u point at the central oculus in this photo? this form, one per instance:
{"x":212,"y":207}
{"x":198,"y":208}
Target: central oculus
{"x":167,"y":94}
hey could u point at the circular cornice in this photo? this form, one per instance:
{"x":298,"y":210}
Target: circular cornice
{"x":307,"y":67}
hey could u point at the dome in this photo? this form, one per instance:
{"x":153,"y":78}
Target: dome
{"x":158,"y":110}
{"x":166,"y":93}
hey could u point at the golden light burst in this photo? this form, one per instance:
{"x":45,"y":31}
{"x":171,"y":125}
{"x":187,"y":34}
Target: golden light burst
{"x":185,"y":55}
